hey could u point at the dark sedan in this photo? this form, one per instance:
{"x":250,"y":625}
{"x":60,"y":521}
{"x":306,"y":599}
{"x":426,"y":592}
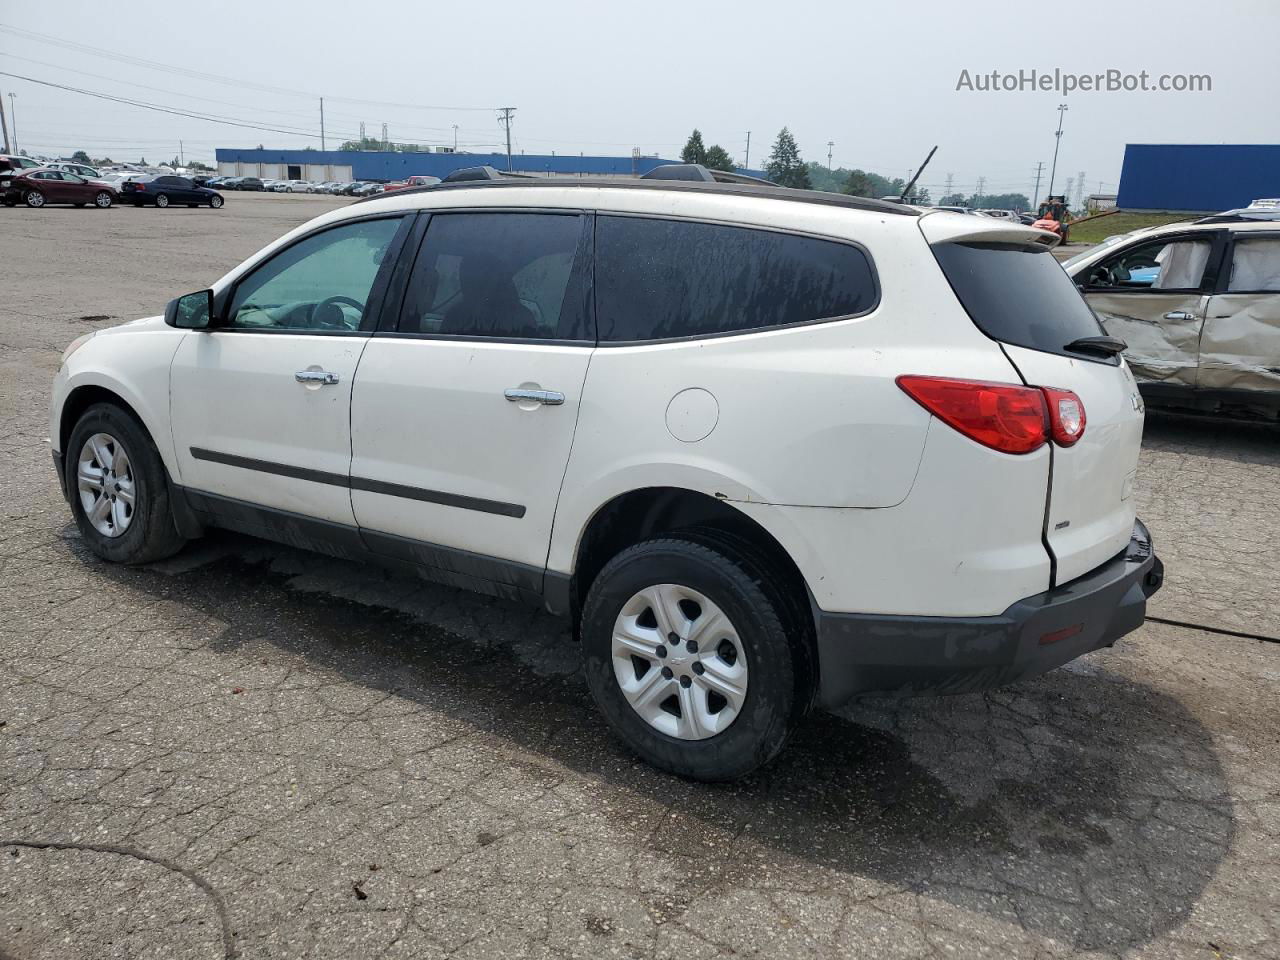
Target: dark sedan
{"x":250,"y":183}
{"x":164,"y":191}
{"x":38,"y":187}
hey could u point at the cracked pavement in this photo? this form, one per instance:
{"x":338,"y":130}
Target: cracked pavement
{"x":247,"y":751}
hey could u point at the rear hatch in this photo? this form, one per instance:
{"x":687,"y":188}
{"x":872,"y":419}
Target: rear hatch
{"x":1018,"y":295}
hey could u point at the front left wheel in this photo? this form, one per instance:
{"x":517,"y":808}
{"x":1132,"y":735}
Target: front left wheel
{"x":690,"y":653}
{"x":119,"y":488}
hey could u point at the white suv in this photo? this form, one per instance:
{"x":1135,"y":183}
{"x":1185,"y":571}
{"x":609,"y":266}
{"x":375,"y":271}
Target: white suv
{"x":769,"y":449}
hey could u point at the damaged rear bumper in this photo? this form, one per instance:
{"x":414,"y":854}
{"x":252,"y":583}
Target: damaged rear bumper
{"x":903,"y":655}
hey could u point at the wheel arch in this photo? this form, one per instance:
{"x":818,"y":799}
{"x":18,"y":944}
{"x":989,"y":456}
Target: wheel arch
{"x":646,"y":512}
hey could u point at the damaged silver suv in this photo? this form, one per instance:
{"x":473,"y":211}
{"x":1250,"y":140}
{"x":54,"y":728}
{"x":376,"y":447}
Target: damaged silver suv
{"x":1198,"y":304}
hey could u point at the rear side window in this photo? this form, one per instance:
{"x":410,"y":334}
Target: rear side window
{"x":1255,"y":266}
{"x":665,"y":279}
{"x":1018,"y":295}
{"x":503,"y":275}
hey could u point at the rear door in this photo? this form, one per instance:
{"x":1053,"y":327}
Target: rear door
{"x":1017,"y":294}
{"x":1153,"y":294}
{"x":1240,"y":346}
{"x":464,"y":413}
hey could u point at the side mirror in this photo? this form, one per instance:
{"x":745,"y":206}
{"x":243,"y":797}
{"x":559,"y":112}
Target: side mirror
{"x":191,"y":312}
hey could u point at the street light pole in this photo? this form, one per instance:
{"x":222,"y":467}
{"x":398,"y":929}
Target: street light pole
{"x":1062,"y":108}
{"x":13,"y":121}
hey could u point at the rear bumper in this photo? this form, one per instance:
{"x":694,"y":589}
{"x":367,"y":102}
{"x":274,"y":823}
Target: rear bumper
{"x":878,"y":654}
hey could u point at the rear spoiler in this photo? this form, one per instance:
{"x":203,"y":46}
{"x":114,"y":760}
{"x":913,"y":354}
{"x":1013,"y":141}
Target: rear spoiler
{"x":939,"y":226}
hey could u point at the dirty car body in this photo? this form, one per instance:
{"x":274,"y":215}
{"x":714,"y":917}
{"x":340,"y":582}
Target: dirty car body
{"x":1199,"y":306}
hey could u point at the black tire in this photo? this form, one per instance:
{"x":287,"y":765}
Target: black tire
{"x":162,"y":200}
{"x":215,"y":203}
{"x":753,"y":597}
{"x":151,"y":534}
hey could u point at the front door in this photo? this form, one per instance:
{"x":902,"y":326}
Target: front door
{"x":1152,"y":295}
{"x":1240,"y":348}
{"x":464,"y":414}
{"x":261,"y":403}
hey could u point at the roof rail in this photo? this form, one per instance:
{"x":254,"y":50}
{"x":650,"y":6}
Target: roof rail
{"x":680,"y":171}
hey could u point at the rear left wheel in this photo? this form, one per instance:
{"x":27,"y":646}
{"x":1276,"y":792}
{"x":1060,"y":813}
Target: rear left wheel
{"x":690,"y":656}
{"x":119,"y":488}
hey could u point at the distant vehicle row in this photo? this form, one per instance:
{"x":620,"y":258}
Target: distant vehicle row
{"x":40,"y":186}
{"x":345,"y":188}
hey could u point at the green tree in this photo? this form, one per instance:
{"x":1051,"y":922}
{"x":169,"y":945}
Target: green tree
{"x":717,"y":158}
{"x":694,"y":150}
{"x":785,"y":166}
{"x":80,"y":157}
{"x":859,"y":184}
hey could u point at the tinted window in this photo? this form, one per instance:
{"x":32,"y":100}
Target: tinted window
{"x":498,"y":275}
{"x":1018,"y":295}
{"x":320,"y":283}
{"x":658,"y":279}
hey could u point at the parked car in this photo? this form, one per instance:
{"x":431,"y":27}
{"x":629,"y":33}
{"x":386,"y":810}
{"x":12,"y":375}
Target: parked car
{"x":1010,"y":216}
{"x":79,"y":169}
{"x":415,"y":181}
{"x":349,"y":189}
{"x":950,"y":209}
{"x":169,"y":191}
{"x":368,"y":189}
{"x":250,"y":183}
{"x":1198,"y":307}
{"x":339,"y":186}
{"x":779,"y":450}
{"x":40,"y":186}
{"x":13,"y":162}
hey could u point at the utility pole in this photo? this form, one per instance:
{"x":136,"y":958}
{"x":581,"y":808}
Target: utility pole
{"x":322,"y":123}
{"x":182,"y":157}
{"x":1071,"y":182}
{"x":982,"y":184}
{"x":455,"y":138}
{"x":831,"y":145}
{"x":4,"y":127}
{"x":1080,"y":188}
{"x":1062,"y":109}
{"x":13,"y":121}
{"x":746,"y":159}
{"x":1035,"y":202}
{"x":385,"y":141}
{"x":506,"y":121}
{"x":951,"y":177}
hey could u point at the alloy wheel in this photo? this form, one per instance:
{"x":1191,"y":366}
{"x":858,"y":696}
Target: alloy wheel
{"x":679,"y":662}
{"x":102,"y":200}
{"x":106,"y":485}
{"x":35,"y":199}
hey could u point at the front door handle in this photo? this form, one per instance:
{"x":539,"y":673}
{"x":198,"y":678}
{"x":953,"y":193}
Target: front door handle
{"x":1179,"y":315}
{"x":548,"y":398}
{"x":316,"y":376}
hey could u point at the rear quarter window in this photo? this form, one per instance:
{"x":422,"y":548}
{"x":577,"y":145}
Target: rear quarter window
{"x":669,"y":279}
{"x":1018,"y":295}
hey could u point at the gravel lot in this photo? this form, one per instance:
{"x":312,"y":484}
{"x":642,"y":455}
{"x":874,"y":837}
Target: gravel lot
{"x":247,"y":751}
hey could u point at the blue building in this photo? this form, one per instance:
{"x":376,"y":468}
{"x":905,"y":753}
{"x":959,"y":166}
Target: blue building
{"x":320,"y":165}
{"x":1198,"y":178}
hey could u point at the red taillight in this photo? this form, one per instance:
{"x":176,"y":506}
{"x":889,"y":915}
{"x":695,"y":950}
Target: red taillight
{"x":140,"y":186}
{"x":1066,"y":416}
{"x":1003,"y":416}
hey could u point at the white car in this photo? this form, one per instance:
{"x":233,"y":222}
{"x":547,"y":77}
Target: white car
{"x":768,"y":448}
{"x":289,"y":186}
{"x":79,"y":169}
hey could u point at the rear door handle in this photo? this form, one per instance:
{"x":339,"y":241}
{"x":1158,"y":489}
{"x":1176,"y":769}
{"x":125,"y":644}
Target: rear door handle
{"x":548,"y":398}
{"x":316,"y":376}
{"x":1179,"y":315}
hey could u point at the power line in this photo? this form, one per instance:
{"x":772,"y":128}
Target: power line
{"x":208,"y":77}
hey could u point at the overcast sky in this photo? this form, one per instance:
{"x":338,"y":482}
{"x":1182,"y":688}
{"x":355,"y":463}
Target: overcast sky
{"x":880,"y":81}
